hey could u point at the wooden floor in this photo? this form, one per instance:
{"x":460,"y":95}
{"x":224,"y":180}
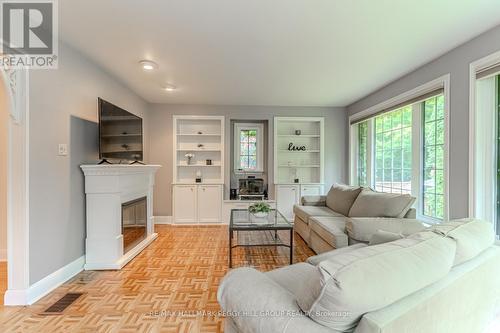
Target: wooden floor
{"x":165,"y":289}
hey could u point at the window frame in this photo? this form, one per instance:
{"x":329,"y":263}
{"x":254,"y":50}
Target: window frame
{"x":422,"y":159}
{"x":259,"y":128}
{"x":479,"y":176}
{"x":417,"y":144}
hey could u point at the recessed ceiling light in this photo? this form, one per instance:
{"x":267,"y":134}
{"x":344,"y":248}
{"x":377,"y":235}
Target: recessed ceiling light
{"x":148,"y":65}
{"x":170,"y":87}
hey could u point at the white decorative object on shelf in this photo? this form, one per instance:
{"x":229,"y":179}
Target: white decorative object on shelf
{"x":189,"y":157}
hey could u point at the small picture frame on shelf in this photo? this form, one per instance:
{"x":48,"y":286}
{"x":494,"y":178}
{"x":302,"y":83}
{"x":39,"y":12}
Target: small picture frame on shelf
{"x":298,"y":132}
{"x":296,"y":180}
{"x":208,"y":162}
{"x":198,"y":180}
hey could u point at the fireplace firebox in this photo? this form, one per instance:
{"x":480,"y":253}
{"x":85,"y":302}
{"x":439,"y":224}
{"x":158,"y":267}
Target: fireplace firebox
{"x":134,"y":222}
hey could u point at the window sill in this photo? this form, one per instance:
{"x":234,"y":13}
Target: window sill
{"x":429,"y":220}
{"x":243,"y":172}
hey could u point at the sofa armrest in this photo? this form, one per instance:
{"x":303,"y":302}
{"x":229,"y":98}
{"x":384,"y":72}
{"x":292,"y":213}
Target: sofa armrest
{"x":255,"y":303}
{"x":313,"y":200}
{"x":411,"y":214}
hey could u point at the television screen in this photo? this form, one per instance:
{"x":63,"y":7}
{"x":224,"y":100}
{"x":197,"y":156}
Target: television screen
{"x":120,"y":134}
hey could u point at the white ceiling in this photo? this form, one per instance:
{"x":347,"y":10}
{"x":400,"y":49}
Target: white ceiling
{"x":269,"y":52}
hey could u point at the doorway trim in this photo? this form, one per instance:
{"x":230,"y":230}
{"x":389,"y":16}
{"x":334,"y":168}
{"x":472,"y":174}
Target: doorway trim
{"x":15,"y":82}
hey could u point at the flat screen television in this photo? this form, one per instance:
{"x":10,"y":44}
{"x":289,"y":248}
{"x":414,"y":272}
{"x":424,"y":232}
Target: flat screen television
{"x":120,"y":134}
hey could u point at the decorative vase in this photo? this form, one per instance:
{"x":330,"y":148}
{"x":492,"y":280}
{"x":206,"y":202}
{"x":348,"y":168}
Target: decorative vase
{"x":260,"y":214}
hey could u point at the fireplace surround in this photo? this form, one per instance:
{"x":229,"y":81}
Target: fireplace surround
{"x":118,"y":197}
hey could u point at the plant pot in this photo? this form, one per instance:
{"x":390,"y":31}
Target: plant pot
{"x":260,"y":214}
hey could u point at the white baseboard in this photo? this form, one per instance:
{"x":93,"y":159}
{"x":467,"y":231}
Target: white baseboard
{"x":3,"y":254}
{"x":162,"y":219}
{"x":44,"y":286}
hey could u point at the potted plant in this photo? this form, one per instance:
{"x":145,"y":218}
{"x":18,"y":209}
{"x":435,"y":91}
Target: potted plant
{"x":189,"y":157}
{"x":260,"y":209}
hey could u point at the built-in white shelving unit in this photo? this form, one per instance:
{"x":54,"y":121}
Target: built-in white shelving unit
{"x":202,"y":136}
{"x":298,"y":160}
{"x":305,"y":165}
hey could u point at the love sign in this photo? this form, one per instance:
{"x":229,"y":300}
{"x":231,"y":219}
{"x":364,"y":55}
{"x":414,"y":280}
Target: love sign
{"x":292,"y":147}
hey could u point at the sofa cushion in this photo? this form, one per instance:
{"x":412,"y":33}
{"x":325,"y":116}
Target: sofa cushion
{"x":304,"y":212}
{"x":471,"y":235}
{"x":381,"y":237}
{"x":313,"y":200}
{"x":373,"y":277}
{"x":298,"y":279}
{"x":331,"y":229}
{"x":341,"y":197}
{"x":363,"y":228}
{"x":315,"y":260}
{"x":377,"y":204}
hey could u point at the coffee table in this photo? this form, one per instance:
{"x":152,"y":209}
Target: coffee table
{"x":242,"y":220}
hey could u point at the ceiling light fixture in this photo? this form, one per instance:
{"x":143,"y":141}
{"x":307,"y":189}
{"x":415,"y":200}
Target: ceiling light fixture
{"x":170,"y":87}
{"x":148,"y":65}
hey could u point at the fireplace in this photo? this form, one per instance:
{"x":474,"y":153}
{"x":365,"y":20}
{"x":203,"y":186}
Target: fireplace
{"x":134,"y":223}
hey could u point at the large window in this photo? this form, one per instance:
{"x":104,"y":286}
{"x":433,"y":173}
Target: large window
{"x":393,"y":151}
{"x":404,"y":153}
{"x":433,"y":157}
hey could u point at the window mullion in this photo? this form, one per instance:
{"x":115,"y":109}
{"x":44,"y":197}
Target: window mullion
{"x":416,"y":165}
{"x":370,"y":151}
{"x":354,"y":154}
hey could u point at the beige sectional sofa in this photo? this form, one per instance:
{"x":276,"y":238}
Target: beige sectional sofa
{"x":333,"y":221}
{"x":443,"y":279}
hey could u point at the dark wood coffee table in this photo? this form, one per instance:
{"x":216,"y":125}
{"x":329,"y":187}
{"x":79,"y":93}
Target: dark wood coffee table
{"x":242,"y":220}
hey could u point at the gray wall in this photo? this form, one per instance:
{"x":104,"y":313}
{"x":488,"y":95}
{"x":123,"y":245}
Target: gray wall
{"x":160,"y":127}
{"x":63,"y":109}
{"x":455,"y":62}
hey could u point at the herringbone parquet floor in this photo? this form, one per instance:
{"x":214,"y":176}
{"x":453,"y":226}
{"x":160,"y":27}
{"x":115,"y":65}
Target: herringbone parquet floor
{"x":170,"y":287}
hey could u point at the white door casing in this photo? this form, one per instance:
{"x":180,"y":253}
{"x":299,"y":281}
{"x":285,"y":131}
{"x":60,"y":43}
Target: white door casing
{"x":16,"y":84}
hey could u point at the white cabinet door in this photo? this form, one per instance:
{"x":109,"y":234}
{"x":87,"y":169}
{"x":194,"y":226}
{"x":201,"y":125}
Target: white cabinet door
{"x":311,"y":190}
{"x":286,"y":197}
{"x":184,"y":204}
{"x":209,"y":203}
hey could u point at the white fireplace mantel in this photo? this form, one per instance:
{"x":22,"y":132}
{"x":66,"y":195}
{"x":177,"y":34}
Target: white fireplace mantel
{"x":107,"y":187}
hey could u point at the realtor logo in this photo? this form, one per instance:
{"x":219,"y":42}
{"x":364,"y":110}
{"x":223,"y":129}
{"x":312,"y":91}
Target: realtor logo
{"x":29,"y":33}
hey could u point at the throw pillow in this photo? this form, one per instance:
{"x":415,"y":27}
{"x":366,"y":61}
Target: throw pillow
{"x":341,"y":197}
{"x":377,"y":204}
